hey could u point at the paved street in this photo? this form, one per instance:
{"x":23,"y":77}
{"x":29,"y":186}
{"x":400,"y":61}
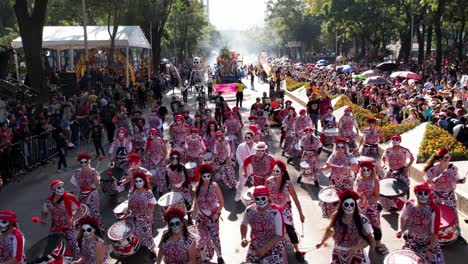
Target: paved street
{"x":26,"y":197}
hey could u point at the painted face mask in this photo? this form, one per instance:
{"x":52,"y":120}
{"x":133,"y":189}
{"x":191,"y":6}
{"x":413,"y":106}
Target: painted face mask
{"x":59,"y":190}
{"x":277,"y":171}
{"x":261,"y":201}
{"x":175,"y":225}
{"x":349,"y":206}
{"x":248,"y":138}
{"x":87,"y":230}
{"x":340,"y":147}
{"x":84,"y":163}
{"x":260,"y":152}
{"x":366,"y":172}
{"x":152,"y":136}
{"x":447,"y":157}
{"x":206,"y":176}
{"x":4,"y":225}
{"x":121,"y":134}
{"x":139,"y":183}
{"x":174,"y":160}
{"x":423,"y":197}
{"x":396,"y":142}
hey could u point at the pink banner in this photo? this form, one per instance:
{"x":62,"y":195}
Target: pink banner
{"x":226,"y":88}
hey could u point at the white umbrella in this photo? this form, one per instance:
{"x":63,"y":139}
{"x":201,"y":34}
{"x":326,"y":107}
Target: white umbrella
{"x":370,"y":73}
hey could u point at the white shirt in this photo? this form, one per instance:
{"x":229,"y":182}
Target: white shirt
{"x":243,"y":151}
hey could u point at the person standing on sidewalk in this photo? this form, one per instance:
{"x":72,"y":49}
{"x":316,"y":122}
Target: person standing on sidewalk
{"x":107,"y":113}
{"x":252,"y":80}
{"x":61,"y":143}
{"x":97,"y":130}
{"x":313,"y":109}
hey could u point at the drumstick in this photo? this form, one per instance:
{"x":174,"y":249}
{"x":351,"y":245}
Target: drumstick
{"x":101,"y":157}
{"x":37,"y":220}
{"x":248,"y":241}
{"x":302,"y":235}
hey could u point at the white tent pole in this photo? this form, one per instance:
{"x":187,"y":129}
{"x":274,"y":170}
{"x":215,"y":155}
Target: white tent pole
{"x":15,"y":55}
{"x":128,"y":66}
{"x":72,"y":59}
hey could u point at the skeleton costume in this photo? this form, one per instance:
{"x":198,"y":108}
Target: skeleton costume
{"x":12,"y":244}
{"x":302,"y":121}
{"x":88,"y":244}
{"x":238,"y":116}
{"x":210,"y":136}
{"x":194,"y":147}
{"x":84,"y":179}
{"x":371,"y":140}
{"x":288,"y":126}
{"x":155,"y":154}
{"x":178,"y":179}
{"x":140,"y":202}
{"x":346,"y":126}
{"x":223,"y":153}
{"x":139,"y":139}
{"x":62,"y":214}
{"x":396,"y":157}
{"x":265,"y":224}
{"x":422,"y":222}
{"x":120,"y":148}
{"x":261,"y":164}
{"x":178,"y":132}
{"x":329,"y":120}
{"x":311,"y":145}
{"x":233,"y":127}
{"x":341,"y":177}
{"x":134,"y":159}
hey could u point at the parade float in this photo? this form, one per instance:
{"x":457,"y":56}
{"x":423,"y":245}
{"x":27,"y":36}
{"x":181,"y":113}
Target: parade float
{"x":227,"y":71}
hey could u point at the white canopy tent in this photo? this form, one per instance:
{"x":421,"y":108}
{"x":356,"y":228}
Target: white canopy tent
{"x":72,"y":37}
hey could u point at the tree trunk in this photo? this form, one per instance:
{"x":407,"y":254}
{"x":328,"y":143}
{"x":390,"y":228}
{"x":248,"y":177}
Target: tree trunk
{"x":438,"y":32}
{"x":420,"y":35}
{"x":157,"y":36}
{"x":429,"y":41}
{"x":31,"y":27}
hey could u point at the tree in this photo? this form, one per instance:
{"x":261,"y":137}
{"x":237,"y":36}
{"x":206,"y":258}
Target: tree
{"x":31,"y":22}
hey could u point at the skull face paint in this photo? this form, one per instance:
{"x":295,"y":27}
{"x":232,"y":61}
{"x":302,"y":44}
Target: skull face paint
{"x":121,"y":134}
{"x":260,"y":152}
{"x":4,"y":225}
{"x":206,"y":176}
{"x":84,"y":163}
{"x":276,"y":171}
{"x":366,"y":172}
{"x":87,"y":230}
{"x":59,"y":189}
{"x":139,"y":182}
{"x":423,"y":197}
{"x":349,"y":206}
{"x":175,"y":225}
{"x":396,"y":142}
{"x":261,"y":201}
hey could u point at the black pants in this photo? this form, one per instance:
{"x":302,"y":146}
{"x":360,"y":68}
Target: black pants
{"x":62,"y":160}
{"x":98,"y":146}
{"x":292,"y":234}
{"x":239,"y":98}
{"x":218,"y":115}
{"x":110,"y":128}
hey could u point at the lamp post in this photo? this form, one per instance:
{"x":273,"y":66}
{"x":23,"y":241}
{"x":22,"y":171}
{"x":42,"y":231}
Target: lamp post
{"x":85,"y":31}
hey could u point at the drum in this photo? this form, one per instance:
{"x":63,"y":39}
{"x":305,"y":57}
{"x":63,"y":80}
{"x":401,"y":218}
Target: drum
{"x":208,"y":158}
{"x":47,"y":250}
{"x":448,"y":231}
{"x":329,"y":136}
{"x":329,"y":201}
{"x":171,"y":199}
{"x":297,"y":146}
{"x":405,"y":256}
{"x":247,"y":197}
{"x":393,"y":188}
{"x":121,"y":210}
{"x":109,"y":180}
{"x":190,"y":167}
{"x":306,"y":170}
{"x":203,"y":242}
{"x":84,"y":211}
{"x":124,"y":241}
{"x":365,"y":158}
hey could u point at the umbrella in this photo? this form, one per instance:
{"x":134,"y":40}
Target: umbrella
{"x":387,"y":66}
{"x":376,"y":80}
{"x":310,"y":65}
{"x":405,"y":74}
{"x":348,"y":68}
{"x":370,"y":73}
{"x":360,"y":77}
{"x":322,"y":62}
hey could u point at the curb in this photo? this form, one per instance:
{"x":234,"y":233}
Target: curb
{"x":415,"y":173}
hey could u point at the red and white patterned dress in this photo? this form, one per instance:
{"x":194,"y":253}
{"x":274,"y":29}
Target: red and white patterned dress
{"x":371,"y":147}
{"x":88,"y":255}
{"x":420,"y":225}
{"x":12,"y":247}
{"x":301,"y":123}
{"x":139,"y":203}
{"x":262,"y":166}
{"x":177,"y":252}
{"x":178,"y":181}
{"x":208,"y":204}
{"x":443,"y":189}
{"x":264,"y":226}
{"x":224,"y":171}
{"x":346,"y":127}
{"x":155,"y":164}
{"x":178,"y":135}
{"x":341,"y":178}
{"x":120,"y":149}
{"x":84,"y":179}
{"x":310,"y":145}
{"x":346,"y":236}
{"x":288,"y":124}
{"x":281,"y":198}
{"x":233,"y":127}
{"x":139,"y":140}
{"x":210,"y":140}
{"x":195,"y":148}
{"x":365,"y":188}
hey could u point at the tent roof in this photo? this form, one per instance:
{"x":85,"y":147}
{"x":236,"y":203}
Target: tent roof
{"x":98,"y":36}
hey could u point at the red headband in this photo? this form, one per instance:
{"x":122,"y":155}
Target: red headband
{"x":179,"y":117}
{"x":309,"y":129}
{"x":261,"y":190}
{"x":302,"y":112}
{"x":175,"y":152}
{"x":371,"y":120}
{"x":252,"y":118}
{"x":367,"y":164}
{"x":85,"y":156}
{"x":442,"y":152}
{"x":194,"y":130}
{"x":8,"y":215}
{"x":154,"y":131}
{"x":92,"y":221}
{"x":280,"y":164}
{"x":174,"y":211}
{"x":134,"y":157}
{"x":55,"y":182}
{"x":395,"y":137}
{"x":422,"y":187}
{"x":340,"y":140}
{"x":348,"y":194}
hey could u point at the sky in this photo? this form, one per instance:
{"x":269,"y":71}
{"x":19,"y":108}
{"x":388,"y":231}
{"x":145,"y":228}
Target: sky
{"x":237,"y":14}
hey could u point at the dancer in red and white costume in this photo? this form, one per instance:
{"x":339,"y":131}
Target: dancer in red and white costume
{"x":443,"y":177}
{"x":210,"y":136}
{"x":311,"y":149}
{"x":200,"y":125}
{"x":139,"y":137}
{"x":207,"y":206}
{"x":233,"y":127}
{"x":281,"y":193}
{"x":288,"y":127}
{"x":222,"y":153}
{"x":177,"y":244}
{"x":347,"y":126}
{"x":155,"y":155}
{"x":178,"y":132}
{"x":328,"y":120}
{"x":194,"y":147}
{"x":397,"y":158}
{"x":244,"y":150}
{"x":93,"y":248}
{"x":61,"y":206}
{"x":351,"y":232}
{"x":178,"y":178}
{"x":87,"y":180}
{"x":11,"y":239}
{"x":119,"y":149}
{"x":238,"y":116}
{"x":341,"y":166}
{"x":155,"y":121}
{"x":261,"y":164}
{"x":134,"y":159}
{"x":422,"y":220}
{"x":302,"y":121}
{"x":370,"y":140}
{"x":190,"y":121}
{"x":267,"y":230}
{"x":141,"y":203}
